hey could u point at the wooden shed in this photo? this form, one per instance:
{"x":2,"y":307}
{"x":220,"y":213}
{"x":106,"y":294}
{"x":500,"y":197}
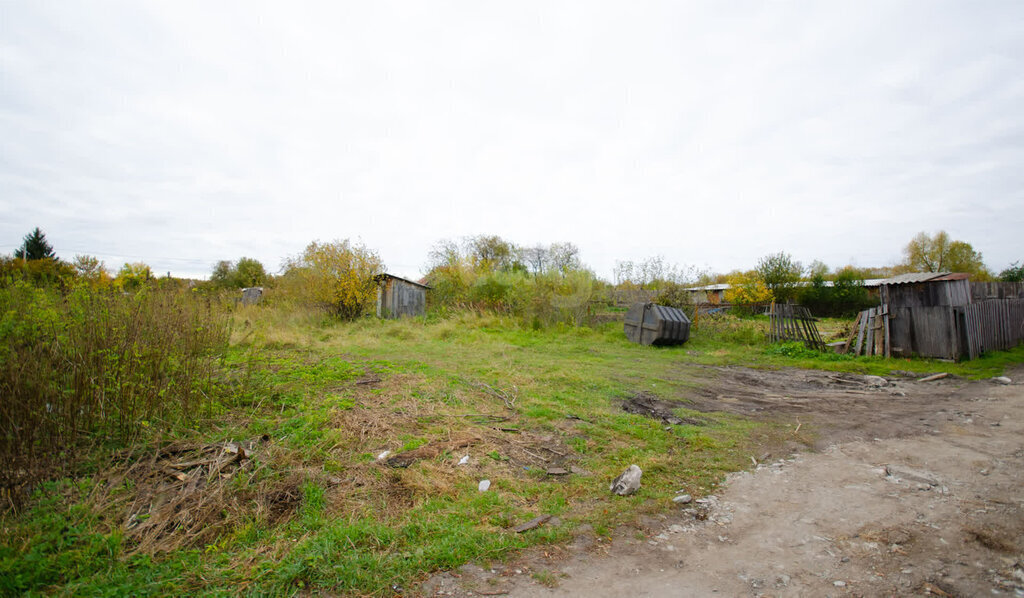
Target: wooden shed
{"x":926,"y":289}
{"x":941,"y":314}
{"x":397,"y":297}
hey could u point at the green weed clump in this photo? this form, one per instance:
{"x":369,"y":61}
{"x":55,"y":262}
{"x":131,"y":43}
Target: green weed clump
{"x":799,"y":351}
{"x":98,"y":365}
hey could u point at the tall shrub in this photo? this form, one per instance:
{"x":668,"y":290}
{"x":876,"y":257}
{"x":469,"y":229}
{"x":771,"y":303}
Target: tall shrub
{"x":337,"y":277}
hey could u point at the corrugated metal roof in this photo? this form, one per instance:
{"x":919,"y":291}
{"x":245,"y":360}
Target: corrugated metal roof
{"x":914,"y":277}
{"x":412,"y":282}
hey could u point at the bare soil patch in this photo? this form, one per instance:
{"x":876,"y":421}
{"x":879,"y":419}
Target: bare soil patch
{"x":828,"y":523}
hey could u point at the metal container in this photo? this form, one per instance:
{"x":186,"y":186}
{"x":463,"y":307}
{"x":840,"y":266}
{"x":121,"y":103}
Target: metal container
{"x":651,"y":324}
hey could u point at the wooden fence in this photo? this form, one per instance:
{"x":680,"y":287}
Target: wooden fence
{"x":787,"y":322}
{"x":990,"y":326}
{"x":946,"y":332}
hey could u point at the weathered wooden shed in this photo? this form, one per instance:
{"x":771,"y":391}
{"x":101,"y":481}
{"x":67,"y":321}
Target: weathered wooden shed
{"x":397,"y":297}
{"x":926,"y":289}
{"x":941,"y":314}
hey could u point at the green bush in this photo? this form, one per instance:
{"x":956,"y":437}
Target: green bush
{"x":844,"y":298}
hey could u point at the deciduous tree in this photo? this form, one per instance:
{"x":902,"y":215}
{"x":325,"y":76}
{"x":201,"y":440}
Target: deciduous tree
{"x":939,"y":253}
{"x":780,"y":274}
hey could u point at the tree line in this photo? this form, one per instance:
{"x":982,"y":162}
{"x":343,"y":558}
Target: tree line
{"x":545,"y":282}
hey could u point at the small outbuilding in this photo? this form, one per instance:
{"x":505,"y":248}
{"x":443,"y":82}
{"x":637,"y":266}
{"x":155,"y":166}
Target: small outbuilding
{"x":397,"y":297}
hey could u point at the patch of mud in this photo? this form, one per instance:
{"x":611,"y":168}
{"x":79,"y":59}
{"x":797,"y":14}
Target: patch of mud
{"x":649,"y":405}
{"x":840,"y":407}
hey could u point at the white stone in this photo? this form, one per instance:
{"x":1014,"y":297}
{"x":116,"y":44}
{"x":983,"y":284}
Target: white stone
{"x":628,"y":482}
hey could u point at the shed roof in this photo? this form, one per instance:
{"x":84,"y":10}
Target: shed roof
{"x":916,"y":277}
{"x":384,"y":276}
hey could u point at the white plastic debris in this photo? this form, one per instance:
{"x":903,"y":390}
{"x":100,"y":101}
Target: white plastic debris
{"x":464,"y":460}
{"x":484,"y":485}
{"x":383,"y":455}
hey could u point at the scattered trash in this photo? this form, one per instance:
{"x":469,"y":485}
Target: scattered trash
{"x":383,"y":455}
{"x":933,"y":377}
{"x":464,"y":460}
{"x":531,"y":524}
{"x":628,"y":482}
{"x":484,"y":485}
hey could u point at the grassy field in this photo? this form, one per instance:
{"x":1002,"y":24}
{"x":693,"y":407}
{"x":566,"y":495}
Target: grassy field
{"x":284,"y":489}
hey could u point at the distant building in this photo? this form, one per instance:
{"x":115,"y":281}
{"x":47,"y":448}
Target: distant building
{"x":397,"y":297}
{"x":715,"y":293}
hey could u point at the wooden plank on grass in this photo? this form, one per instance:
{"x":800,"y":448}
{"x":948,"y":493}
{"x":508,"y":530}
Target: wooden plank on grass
{"x":860,"y":331}
{"x":853,"y":333}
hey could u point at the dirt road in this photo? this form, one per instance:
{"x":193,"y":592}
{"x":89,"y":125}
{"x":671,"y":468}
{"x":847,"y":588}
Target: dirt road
{"x":946,"y":520}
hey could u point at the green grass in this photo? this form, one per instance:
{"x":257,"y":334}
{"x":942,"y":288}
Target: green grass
{"x":357,"y":526}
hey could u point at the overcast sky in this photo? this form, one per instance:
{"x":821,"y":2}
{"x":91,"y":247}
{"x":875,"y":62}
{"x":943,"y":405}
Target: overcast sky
{"x":712,"y":133}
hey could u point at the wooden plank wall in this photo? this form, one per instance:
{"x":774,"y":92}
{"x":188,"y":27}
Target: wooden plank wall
{"x":994,"y":325}
{"x":872,"y":332}
{"x":984,"y":291}
{"x":400,"y":298}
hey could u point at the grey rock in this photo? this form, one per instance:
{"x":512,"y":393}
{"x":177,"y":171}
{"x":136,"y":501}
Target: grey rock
{"x":628,"y":482}
{"x":910,"y":475}
{"x":875,"y":381}
{"x":683,"y":499}
{"x":1002,"y":380}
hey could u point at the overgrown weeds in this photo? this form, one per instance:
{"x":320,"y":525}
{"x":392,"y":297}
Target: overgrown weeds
{"x":97,"y":366}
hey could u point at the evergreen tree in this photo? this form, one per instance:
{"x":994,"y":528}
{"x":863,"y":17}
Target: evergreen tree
{"x":35,"y":247}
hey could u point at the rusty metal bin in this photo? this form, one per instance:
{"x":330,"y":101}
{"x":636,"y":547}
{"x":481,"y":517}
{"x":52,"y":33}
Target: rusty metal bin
{"x":652,"y":324}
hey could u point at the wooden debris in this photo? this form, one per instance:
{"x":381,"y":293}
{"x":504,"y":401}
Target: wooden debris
{"x":557,"y":471}
{"x":507,"y":397}
{"x":531,"y":524}
{"x":430,"y":451}
{"x":930,"y":588}
{"x":788,"y":322}
{"x":174,"y":473}
{"x":933,"y":377}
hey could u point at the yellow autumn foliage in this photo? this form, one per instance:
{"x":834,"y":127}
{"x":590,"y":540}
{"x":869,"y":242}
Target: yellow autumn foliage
{"x":336,"y":276}
{"x":746,"y":288}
